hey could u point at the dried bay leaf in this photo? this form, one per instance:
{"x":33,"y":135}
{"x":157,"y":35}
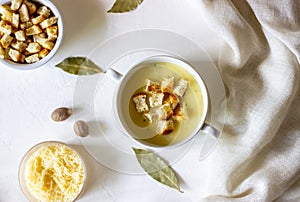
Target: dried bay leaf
{"x":157,"y":168}
{"x":121,"y":6}
{"x":79,"y":66}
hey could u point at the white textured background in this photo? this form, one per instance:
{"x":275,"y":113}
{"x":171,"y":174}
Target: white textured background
{"x":28,"y":97}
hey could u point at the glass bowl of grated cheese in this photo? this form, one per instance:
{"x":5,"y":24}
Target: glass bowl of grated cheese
{"x":52,"y":171}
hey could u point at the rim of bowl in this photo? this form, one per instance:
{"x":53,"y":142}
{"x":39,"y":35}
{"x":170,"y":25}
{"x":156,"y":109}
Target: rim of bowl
{"x":191,"y":69}
{"x":34,"y":148}
{"x":40,"y":63}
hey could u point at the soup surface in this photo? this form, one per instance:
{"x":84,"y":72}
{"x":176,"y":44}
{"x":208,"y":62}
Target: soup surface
{"x":192,"y":101}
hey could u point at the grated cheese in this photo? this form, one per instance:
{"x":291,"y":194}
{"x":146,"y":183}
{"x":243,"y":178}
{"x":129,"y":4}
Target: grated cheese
{"x":54,"y":173}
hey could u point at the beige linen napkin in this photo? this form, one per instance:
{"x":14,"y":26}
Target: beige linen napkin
{"x":258,"y":157}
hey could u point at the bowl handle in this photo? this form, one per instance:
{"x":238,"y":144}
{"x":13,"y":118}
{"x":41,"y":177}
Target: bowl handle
{"x":115,"y":75}
{"x":210,"y":130}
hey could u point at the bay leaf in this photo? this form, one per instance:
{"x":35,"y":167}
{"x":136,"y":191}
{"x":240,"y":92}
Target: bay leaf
{"x":79,"y":66}
{"x":122,"y":6}
{"x":157,"y":168}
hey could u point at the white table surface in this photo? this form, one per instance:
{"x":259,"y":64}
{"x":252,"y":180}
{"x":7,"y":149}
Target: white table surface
{"x":28,"y":97}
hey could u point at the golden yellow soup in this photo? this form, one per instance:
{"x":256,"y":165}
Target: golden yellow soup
{"x":193,"y":100}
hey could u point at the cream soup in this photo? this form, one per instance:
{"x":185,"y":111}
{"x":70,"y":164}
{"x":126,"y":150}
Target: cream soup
{"x":192,"y":99}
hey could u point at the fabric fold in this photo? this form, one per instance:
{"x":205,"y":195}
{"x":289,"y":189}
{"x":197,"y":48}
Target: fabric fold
{"x":258,"y":157}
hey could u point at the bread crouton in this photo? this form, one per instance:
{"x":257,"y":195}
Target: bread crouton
{"x":171,"y":99}
{"x":24,"y":14}
{"x":26,"y":53}
{"x":35,"y":29}
{"x":45,"y":43}
{"x":20,"y":35}
{"x":2,"y":52}
{"x":33,"y":47}
{"x":181,"y":87}
{"x":22,"y":59}
{"x":15,"y":20}
{"x":38,"y":36}
{"x":180,"y":112}
{"x":140,"y":102}
{"x":156,"y":99}
{"x":6,"y":40}
{"x":164,"y":112}
{"x":15,"y":4}
{"x":44,"y":11}
{"x":153,"y":87}
{"x":5,"y":27}
{"x":167,"y":85}
{"x":26,"y":25}
{"x":48,"y":22}
{"x":32,"y":58}
{"x":52,"y":32}
{"x":5,"y":14}
{"x":165,"y":127}
{"x":18,"y":45}
{"x":43,"y":53}
{"x":14,"y":55}
{"x":30,"y":6}
{"x":37,"y":19}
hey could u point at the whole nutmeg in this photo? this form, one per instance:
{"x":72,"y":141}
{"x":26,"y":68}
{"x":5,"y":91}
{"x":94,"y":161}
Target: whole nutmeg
{"x":61,"y":114}
{"x":81,"y":128}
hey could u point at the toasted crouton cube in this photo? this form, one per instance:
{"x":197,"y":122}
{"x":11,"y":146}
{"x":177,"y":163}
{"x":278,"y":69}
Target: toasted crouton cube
{"x":6,"y":40}
{"x":43,"y":53}
{"x":22,"y":59}
{"x":44,"y":11}
{"x":171,"y":100}
{"x":30,"y":6}
{"x":33,"y":47}
{"x":52,"y":32}
{"x":5,"y":27}
{"x":38,"y":36}
{"x":165,"y":127}
{"x":167,"y":85}
{"x":26,"y":53}
{"x":24,"y":14}
{"x":48,"y":22}
{"x":153,"y":87}
{"x":7,"y":7}
{"x":16,"y":4}
{"x":6,"y":56}
{"x":32,"y":58}
{"x":35,"y":29}
{"x":45,"y":43}
{"x":140,"y":102}
{"x":26,"y":25}
{"x":2,"y":52}
{"x":181,"y":87}
{"x":20,"y":35}
{"x":164,"y":112}
{"x":15,"y":20}
{"x":5,"y":14}
{"x":14,"y":55}
{"x":180,"y":112}
{"x":37,"y":19}
{"x":156,"y":99}
{"x":151,"y":115}
{"x":18,"y":45}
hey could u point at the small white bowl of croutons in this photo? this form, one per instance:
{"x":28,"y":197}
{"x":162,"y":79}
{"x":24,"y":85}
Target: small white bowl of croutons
{"x":31,"y":32}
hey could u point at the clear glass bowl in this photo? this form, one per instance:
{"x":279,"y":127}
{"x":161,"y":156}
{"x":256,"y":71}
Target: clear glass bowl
{"x":24,"y":161}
